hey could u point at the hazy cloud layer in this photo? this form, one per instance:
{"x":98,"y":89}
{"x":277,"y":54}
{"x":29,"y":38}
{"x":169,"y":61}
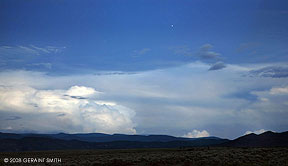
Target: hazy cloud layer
{"x":168,"y":101}
{"x":45,"y":65}
{"x":31,"y":56}
{"x":10,"y":51}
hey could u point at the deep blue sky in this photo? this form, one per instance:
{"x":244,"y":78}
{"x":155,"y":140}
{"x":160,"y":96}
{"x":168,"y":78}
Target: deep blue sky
{"x":180,"y":67}
{"x":108,"y":35}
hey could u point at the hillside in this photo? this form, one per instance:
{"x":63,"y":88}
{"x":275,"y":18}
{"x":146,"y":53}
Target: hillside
{"x":267,"y":139}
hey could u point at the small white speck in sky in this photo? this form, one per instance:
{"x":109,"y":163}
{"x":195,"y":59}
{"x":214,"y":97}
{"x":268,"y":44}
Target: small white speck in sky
{"x":172,"y":25}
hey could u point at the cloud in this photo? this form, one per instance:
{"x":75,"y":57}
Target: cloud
{"x":46,"y":49}
{"x":206,"y":53}
{"x":53,"y":110}
{"x":273,"y":100}
{"x":256,"y":132}
{"x":101,"y":73}
{"x":13,"y":118}
{"x":28,"y":50}
{"x":279,"y":91}
{"x":164,"y":101}
{"x":271,"y":71}
{"x":28,"y":57}
{"x":81,"y":91}
{"x":217,"y":66}
{"x":197,"y":134}
{"x":45,"y":65}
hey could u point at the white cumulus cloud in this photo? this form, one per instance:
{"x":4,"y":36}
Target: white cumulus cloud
{"x":59,"y":110}
{"x":81,"y":91}
{"x":279,"y":90}
{"x":197,"y":134}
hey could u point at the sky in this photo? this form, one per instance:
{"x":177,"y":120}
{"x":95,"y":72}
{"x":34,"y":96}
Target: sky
{"x":191,"y":68}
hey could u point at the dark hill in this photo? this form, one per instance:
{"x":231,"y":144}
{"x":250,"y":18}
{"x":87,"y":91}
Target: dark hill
{"x":42,"y":143}
{"x":267,"y":139}
{"x":100,"y":137}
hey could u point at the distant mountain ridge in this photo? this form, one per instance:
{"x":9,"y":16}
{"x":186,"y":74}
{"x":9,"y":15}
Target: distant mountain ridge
{"x":62,"y":141}
{"x":100,"y":137}
{"x":266,"y":139}
{"x":42,"y":144}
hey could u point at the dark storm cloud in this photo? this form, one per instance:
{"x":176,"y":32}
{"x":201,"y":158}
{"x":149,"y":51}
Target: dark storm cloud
{"x":61,"y":114}
{"x":13,"y":118}
{"x":76,"y":97}
{"x":271,"y":71}
{"x":217,"y":66}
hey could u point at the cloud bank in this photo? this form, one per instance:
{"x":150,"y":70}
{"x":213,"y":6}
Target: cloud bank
{"x":59,"y":110}
{"x":226,"y":103}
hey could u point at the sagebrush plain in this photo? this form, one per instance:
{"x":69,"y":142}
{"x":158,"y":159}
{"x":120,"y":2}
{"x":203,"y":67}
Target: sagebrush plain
{"x":216,"y":156}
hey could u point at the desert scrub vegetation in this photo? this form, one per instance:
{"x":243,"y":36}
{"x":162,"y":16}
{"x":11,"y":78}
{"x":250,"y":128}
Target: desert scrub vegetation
{"x":216,"y":156}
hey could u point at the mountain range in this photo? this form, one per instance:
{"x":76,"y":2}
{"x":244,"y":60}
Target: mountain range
{"x":100,"y":137}
{"x":63,"y":141}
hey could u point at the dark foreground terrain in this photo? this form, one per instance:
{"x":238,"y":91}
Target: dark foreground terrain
{"x":212,"y":156}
